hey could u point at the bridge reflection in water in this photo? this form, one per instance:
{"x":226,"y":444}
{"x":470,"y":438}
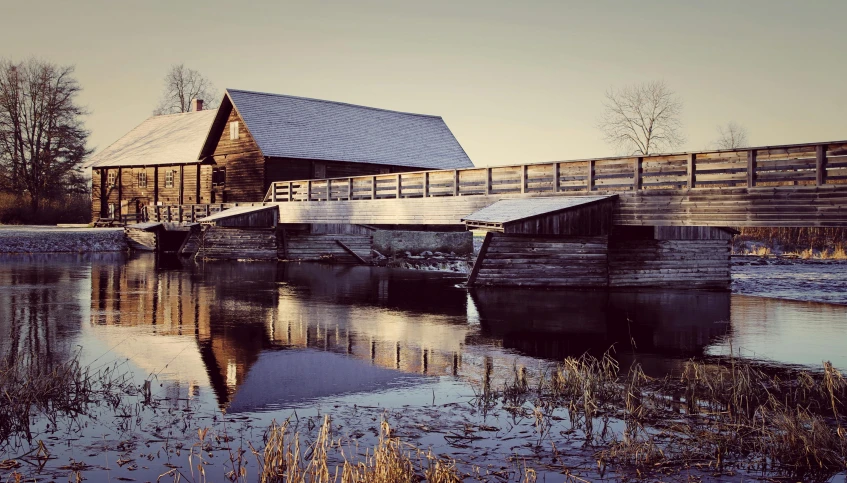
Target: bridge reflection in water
{"x":266,"y":334}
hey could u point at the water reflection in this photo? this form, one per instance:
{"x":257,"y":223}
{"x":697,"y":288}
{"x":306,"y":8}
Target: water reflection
{"x":261,"y":335}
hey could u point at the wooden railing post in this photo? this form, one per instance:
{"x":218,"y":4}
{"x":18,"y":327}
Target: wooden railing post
{"x":398,"y":191}
{"x":820,"y":165}
{"x":290,"y":191}
{"x":523,"y":178}
{"x":329,"y":190}
{"x":590,"y":183}
{"x":426,"y":184}
{"x":309,"y":190}
{"x":455,"y":182}
{"x":751,"y":168}
{"x":638,"y":171}
{"x":373,"y":187}
{"x":691,"y":178}
{"x":207,"y":210}
{"x":350,"y":189}
{"x":488,"y":181}
{"x":557,"y":177}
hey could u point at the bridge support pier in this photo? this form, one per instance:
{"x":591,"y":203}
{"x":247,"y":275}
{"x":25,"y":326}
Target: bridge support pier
{"x":643,"y":257}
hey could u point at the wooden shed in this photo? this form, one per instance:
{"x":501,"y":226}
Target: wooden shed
{"x":562,"y":215}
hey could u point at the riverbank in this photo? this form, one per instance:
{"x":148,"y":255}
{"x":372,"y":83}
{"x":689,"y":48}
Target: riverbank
{"x":52,"y":239}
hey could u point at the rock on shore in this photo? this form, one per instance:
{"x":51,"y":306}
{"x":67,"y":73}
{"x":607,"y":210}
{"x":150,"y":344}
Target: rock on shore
{"x":51,"y":239}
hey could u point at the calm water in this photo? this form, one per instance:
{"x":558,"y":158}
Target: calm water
{"x":257,"y":341}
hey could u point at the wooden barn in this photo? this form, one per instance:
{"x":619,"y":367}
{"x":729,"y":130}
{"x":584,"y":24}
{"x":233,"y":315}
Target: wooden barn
{"x":234,"y":153}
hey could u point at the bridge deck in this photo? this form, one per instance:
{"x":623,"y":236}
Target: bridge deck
{"x":791,"y":185}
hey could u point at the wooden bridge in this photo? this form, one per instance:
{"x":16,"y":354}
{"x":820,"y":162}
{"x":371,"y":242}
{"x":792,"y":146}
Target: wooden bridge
{"x":803,"y":185}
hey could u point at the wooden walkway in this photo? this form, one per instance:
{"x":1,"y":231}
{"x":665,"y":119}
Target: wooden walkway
{"x":791,"y":185}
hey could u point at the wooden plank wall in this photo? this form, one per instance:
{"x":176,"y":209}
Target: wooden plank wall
{"x":589,"y":220}
{"x":222,"y":243}
{"x":669,"y":263}
{"x":323,"y":247}
{"x":244,"y":163}
{"x":141,"y":239}
{"x":544,"y":261}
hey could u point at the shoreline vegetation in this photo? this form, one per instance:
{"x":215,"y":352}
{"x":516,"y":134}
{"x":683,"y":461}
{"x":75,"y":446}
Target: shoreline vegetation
{"x":582,"y":418}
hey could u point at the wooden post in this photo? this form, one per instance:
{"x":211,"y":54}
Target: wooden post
{"x":557,"y":177}
{"x":523,"y":178}
{"x":120,"y":193}
{"x":426,"y":184}
{"x":207,"y":210}
{"x":751,"y":168}
{"x":181,"y":188}
{"x":350,"y":189}
{"x":488,"y":181}
{"x":398,"y":191}
{"x":290,"y":191}
{"x":820,"y":165}
{"x":197,"y":199}
{"x":170,"y":216}
{"x":179,"y":213}
{"x":480,"y":258}
{"x":156,"y":185}
{"x":455,"y":182}
{"x":638,"y":170}
{"x":329,"y":190}
{"x":309,"y":190}
{"x":273,"y":191}
{"x":590,"y":183}
{"x":373,"y":187}
{"x":692,"y":161}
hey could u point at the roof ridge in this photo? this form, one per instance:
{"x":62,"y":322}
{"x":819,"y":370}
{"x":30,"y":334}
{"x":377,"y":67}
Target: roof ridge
{"x":335,"y":102}
{"x":173,"y":114}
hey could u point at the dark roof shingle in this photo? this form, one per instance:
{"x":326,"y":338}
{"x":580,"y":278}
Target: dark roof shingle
{"x":297,"y":127}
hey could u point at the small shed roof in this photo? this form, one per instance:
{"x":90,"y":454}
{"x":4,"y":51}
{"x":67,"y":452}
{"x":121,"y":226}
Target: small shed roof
{"x":298,"y":127}
{"x":160,"y":140}
{"x":510,"y":210}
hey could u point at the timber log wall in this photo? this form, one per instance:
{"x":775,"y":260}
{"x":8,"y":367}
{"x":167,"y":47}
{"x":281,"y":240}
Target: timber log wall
{"x":669,"y":263}
{"x":238,"y":243}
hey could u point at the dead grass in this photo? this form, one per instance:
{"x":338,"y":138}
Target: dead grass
{"x":72,"y":208}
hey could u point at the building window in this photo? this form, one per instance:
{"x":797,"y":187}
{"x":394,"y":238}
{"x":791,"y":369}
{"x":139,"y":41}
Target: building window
{"x":110,"y":178}
{"x":233,"y":130}
{"x":142,"y":179}
{"x":218,"y":176}
{"x":169,"y":179}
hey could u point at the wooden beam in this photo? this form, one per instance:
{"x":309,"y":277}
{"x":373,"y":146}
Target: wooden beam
{"x":638,"y":171}
{"x":692,"y":163}
{"x":197,"y":199}
{"x":590,"y":183}
{"x":523,"y":178}
{"x":349,"y":188}
{"x":488,"y":181}
{"x":479,"y":259}
{"x":397,"y":191}
{"x":309,"y":190}
{"x":820,"y":165}
{"x":455,"y":182}
{"x":351,"y":252}
{"x":120,"y":192}
{"x":751,"y":168}
{"x":373,"y":187}
{"x":426,"y":184}
{"x":181,"y":186}
{"x":329,"y":190}
{"x":290,"y":191}
{"x":156,"y":185}
{"x":557,"y":177}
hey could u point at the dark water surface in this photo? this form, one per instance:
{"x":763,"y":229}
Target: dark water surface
{"x":256,"y":341}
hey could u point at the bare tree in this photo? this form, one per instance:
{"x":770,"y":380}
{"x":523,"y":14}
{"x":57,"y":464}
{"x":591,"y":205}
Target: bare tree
{"x":731,"y":136}
{"x":42,"y":136}
{"x":181,"y":86}
{"x":642,"y":118}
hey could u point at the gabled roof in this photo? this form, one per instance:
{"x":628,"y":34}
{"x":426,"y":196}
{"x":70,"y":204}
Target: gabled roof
{"x":511,"y":210}
{"x":298,"y":127}
{"x":168,"y":139}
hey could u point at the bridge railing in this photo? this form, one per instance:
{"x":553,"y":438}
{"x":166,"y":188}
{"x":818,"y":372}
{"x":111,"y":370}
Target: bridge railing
{"x":187,"y":213}
{"x":815,"y":164}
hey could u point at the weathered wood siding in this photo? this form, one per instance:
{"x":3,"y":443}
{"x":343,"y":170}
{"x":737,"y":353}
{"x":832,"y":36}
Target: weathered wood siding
{"x":324,"y":247}
{"x":691,"y":233}
{"x":587,"y":220}
{"x":223,"y":243}
{"x":141,"y":239}
{"x":266,"y":218}
{"x":544,"y":261}
{"x":669,"y":263}
{"x":244,"y":163}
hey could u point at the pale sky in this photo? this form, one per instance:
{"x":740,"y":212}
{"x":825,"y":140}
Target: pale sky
{"x":515,"y":81}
